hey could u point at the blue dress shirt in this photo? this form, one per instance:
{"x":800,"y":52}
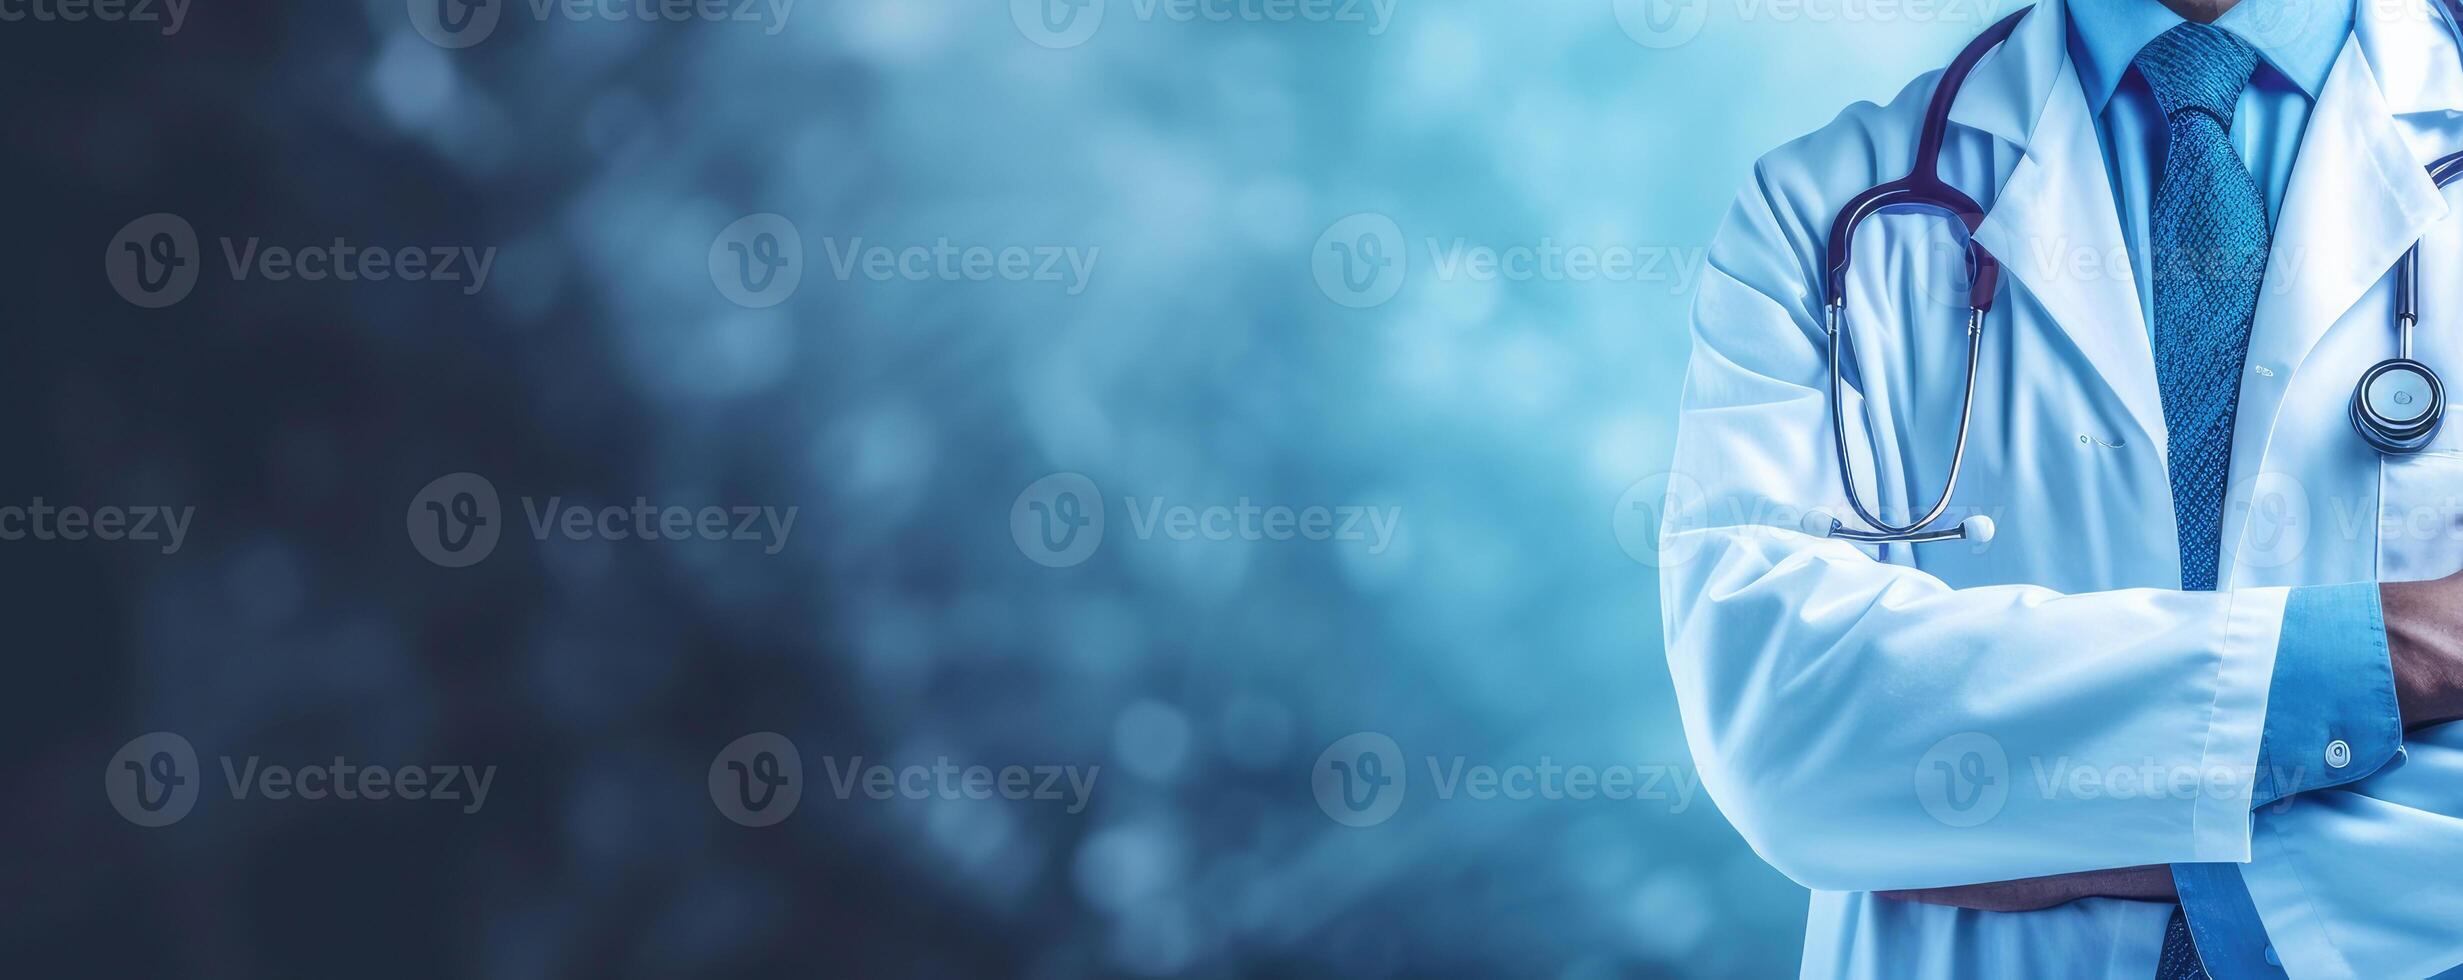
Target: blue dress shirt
{"x":2331,"y":712}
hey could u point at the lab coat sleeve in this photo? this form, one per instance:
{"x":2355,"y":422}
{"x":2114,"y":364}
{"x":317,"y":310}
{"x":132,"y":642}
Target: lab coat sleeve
{"x":2358,"y":881}
{"x":1866,"y":726}
{"x":2332,"y":714}
{"x":2331,"y":718}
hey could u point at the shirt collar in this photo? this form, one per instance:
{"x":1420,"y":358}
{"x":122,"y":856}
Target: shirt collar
{"x":2300,"y":39}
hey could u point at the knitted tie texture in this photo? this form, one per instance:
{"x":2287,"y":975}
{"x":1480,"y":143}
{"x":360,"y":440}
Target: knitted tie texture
{"x":2180,"y":957}
{"x":2209,"y":239}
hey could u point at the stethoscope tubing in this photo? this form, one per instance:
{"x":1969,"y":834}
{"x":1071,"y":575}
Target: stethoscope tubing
{"x":1882,"y":531}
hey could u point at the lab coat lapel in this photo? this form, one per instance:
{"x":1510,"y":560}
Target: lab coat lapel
{"x":2411,"y":52}
{"x":2359,"y":198}
{"x":2053,"y":225}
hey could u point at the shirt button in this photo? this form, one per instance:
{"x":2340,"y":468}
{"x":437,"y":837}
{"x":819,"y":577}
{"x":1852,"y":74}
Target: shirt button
{"x":2271,"y":958}
{"x":2338,"y":754}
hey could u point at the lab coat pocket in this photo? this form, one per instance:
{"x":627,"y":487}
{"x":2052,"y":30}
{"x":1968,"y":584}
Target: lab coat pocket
{"x":2420,"y":516}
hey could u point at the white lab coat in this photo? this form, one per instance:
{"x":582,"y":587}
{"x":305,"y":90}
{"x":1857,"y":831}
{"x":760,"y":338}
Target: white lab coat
{"x":1825,"y":685}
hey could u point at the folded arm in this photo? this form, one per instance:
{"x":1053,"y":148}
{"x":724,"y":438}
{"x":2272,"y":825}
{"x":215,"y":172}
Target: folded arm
{"x":2348,"y":881}
{"x":1868,"y":727}
{"x":2335,"y":886}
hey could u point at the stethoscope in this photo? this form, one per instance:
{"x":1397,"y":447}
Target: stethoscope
{"x":2397,"y":406}
{"x":2400,"y":402}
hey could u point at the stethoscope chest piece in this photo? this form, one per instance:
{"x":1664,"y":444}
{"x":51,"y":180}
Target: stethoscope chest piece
{"x":2398,"y":406}
{"x":2400,"y":403}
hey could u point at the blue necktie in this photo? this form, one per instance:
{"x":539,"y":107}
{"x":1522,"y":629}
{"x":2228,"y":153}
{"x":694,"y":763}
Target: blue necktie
{"x":2209,"y":239}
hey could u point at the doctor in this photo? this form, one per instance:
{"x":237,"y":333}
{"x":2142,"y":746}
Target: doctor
{"x":2181,"y":712}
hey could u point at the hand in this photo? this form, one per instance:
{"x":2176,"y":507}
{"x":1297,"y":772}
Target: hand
{"x":2424,"y":637}
{"x":2148,"y":883}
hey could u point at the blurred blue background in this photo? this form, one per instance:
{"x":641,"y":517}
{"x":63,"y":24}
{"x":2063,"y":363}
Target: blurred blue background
{"x":1212,"y":175}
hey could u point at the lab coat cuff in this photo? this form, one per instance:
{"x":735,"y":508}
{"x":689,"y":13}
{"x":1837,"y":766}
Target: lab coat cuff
{"x":2245,"y":665}
{"x":2224,"y":922}
{"x":2295,"y":926}
{"x":2331,"y":715}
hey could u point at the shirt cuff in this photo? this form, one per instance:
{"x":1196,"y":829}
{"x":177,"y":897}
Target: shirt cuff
{"x":2331,"y":716}
{"x":2224,"y":922}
